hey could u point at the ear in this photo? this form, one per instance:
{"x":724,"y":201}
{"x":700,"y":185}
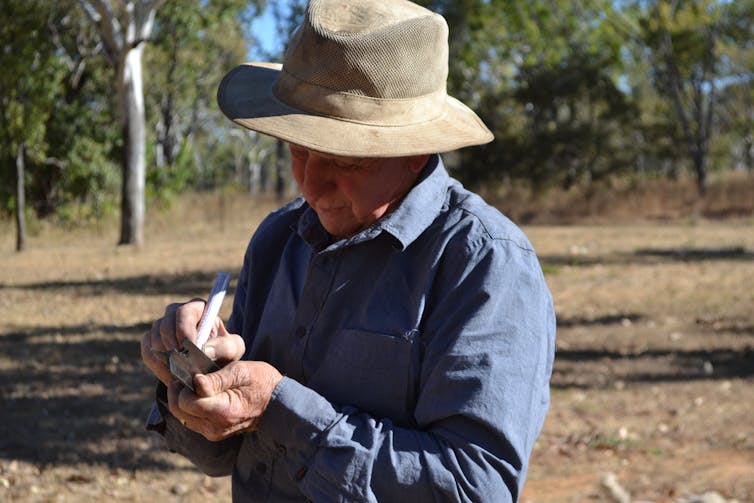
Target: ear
{"x":417,"y":162}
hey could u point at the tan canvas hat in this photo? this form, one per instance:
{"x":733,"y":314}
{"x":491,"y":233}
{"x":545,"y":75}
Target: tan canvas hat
{"x":359,"y":78}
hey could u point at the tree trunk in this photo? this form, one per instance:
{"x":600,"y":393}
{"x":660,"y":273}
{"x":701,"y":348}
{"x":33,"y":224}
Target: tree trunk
{"x":698,"y":141}
{"x":700,"y":168}
{"x":165,"y":151}
{"x":134,"y":135}
{"x":123,"y":38}
{"x":20,"y":201}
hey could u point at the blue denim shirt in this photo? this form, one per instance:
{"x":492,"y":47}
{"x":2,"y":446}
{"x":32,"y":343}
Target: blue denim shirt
{"x":417,"y":355}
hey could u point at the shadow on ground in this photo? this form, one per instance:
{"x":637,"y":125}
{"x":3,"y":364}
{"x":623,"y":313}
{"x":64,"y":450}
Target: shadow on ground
{"x":72,"y":402}
{"x":80,"y":393}
{"x":603,"y":367}
{"x":650,"y":256}
{"x":181,"y":285}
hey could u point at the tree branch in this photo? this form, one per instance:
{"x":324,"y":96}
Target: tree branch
{"x":676,"y":89}
{"x":109,"y":27}
{"x":90,"y":11}
{"x":58,"y":163}
{"x":144,"y":16}
{"x":709,"y":66}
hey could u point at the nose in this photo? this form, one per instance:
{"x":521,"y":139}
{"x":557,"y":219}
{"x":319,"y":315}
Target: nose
{"x":318,"y":179}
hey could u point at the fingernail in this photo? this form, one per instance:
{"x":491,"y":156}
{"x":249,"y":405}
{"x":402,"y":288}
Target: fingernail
{"x":210,"y":352}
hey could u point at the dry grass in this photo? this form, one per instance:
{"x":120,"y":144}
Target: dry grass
{"x":729,"y":195}
{"x":655,"y":360}
{"x":653,"y":378}
{"x":199,"y":235}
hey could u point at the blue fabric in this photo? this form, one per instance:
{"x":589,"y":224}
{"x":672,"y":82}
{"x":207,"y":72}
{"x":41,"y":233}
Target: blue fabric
{"x":417,"y":354}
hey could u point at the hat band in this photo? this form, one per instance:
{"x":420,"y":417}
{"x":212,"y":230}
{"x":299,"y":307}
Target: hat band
{"x":386,"y":112}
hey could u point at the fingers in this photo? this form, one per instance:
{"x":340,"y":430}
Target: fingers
{"x":178,"y":323}
{"x":241,"y":389}
{"x":228,"y":401}
{"x":164,"y":329}
{"x":154,"y":361}
{"x":175,"y":389}
{"x":186,"y":320}
{"x":225,"y":347}
{"x":215,"y":383}
{"x":181,"y":403}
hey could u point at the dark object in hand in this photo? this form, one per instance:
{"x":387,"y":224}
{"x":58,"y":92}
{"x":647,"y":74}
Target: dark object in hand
{"x":187,"y":361}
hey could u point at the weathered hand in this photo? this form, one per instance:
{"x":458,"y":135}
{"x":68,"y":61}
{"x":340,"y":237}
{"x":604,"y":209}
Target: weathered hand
{"x":226,"y":402}
{"x":180,"y":322}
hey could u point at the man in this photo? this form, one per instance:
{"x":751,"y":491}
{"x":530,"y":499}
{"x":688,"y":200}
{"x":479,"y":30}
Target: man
{"x":392,"y":335}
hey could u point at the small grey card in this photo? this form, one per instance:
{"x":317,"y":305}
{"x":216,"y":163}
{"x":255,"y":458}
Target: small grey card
{"x":187,"y":361}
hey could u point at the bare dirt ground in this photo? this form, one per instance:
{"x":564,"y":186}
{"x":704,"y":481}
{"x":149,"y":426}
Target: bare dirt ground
{"x":653,"y":380}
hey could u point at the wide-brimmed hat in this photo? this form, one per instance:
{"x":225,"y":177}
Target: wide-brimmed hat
{"x":360,"y":78}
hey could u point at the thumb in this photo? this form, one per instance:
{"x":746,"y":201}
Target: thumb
{"x":207,"y":385}
{"x":219,"y":328}
{"x":225,"y":348}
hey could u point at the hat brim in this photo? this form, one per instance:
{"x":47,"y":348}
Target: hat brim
{"x":246,"y":97}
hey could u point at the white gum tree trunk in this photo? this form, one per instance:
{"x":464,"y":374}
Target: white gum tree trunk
{"x":134,"y":134}
{"x":124,"y":32}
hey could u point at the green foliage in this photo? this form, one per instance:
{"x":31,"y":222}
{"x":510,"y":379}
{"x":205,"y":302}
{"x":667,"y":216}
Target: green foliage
{"x":59,"y":110}
{"x":695,"y":50}
{"x":195,"y":42}
{"x":91,"y":179}
{"x":575,"y":92}
{"x":543,"y":75}
{"x":165,"y":183}
{"x":580,"y":124}
{"x":28,"y":85}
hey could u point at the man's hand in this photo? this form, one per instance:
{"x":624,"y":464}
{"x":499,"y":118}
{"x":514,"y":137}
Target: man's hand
{"x":226,"y":402}
{"x":180,"y":322}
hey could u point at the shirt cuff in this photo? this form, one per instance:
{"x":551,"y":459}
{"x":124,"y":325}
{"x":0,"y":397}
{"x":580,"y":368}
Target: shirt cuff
{"x":292,"y":425}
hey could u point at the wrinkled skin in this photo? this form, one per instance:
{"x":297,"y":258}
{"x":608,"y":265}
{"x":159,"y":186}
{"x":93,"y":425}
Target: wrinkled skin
{"x":226,"y":402}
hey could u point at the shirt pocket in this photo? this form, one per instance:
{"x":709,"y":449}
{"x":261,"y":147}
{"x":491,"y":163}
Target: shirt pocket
{"x":367,"y":370}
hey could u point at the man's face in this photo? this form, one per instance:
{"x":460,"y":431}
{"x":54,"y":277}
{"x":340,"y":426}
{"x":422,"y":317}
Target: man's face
{"x":351,"y":193}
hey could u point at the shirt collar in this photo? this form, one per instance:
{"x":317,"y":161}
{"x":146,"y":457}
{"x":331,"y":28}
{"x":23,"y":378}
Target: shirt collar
{"x":405,"y":223}
{"x":420,"y":207}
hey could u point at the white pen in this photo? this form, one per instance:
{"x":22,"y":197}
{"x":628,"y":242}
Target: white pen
{"x":212,"y":308}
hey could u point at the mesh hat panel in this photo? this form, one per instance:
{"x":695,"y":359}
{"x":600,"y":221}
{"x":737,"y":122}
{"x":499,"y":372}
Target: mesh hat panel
{"x":371,"y":63}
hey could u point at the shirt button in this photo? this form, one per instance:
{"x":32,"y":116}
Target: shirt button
{"x":300,"y":332}
{"x":300,"y":474}
{"x":281,"y":450}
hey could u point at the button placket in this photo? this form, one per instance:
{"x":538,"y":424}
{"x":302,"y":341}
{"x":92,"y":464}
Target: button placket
{"x":317,"y":288}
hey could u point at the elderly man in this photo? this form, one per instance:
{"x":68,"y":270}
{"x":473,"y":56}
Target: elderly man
{"x":392,"y":335}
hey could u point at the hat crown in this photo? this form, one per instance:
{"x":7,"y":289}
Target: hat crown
{"x":385,"y":49}
{"x":359,"y":78}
